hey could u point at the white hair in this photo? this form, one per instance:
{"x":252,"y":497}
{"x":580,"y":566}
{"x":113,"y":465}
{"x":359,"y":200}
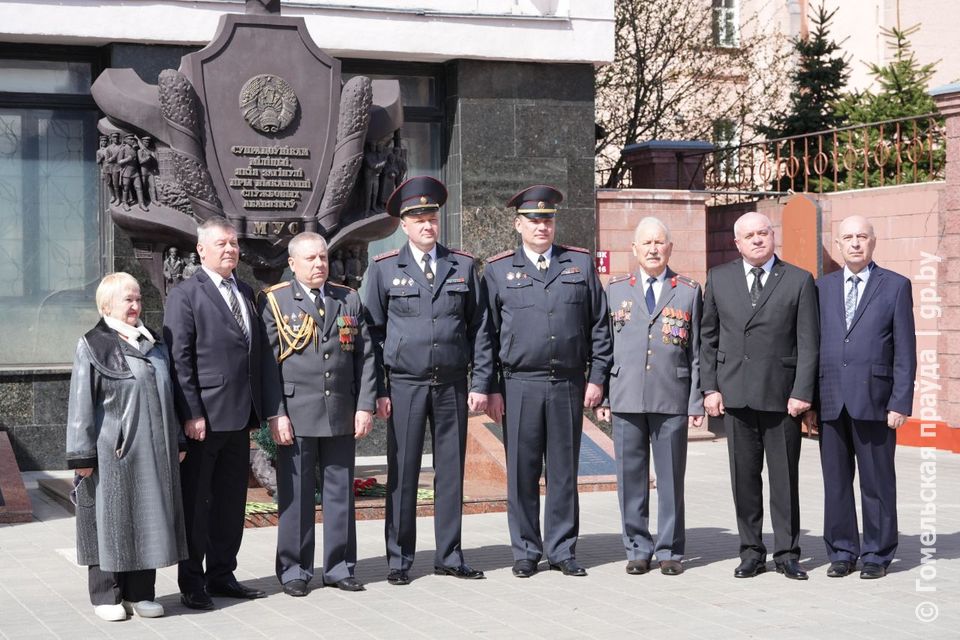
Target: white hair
{"x":213,"y":222}
{"x":110,"y":287}
{"x":736,"y":225}
{"x":304,"y":238}
{"x":652,"y":221}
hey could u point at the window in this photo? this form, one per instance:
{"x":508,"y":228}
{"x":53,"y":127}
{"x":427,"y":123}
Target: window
{"x":726,"y":23}
{"x":726,"y":138}
{"x":51,"y":245}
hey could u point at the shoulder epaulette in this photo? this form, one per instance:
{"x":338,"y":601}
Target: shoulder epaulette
{"x":342,"y":286}
{"x":274,"y":287}
{"x":460,"y":252}
{"x":620,"y":278}
{"x":690,"y":282}
{"x":386,"y":254}
{"x":577,"y":249}
{"x":500,"y":256}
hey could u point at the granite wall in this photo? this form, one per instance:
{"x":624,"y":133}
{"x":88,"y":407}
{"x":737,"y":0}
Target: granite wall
{"x":511,"y":125}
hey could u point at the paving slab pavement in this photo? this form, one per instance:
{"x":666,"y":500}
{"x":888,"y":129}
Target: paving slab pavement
{"x":43,"y":593}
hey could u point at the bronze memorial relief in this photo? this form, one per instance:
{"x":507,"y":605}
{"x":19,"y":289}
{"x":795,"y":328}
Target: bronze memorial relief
{"x":258,"y":127}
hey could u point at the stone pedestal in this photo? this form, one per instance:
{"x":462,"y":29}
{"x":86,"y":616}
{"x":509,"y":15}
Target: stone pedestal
{"x":667,"y":164}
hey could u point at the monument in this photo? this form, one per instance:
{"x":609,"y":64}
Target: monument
{"x":260,"y":128}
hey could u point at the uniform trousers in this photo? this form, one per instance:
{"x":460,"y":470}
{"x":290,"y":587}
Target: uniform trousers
{"x":444,"y":406}
{"x":544,"y":419}
{"x":846,"y":445}
{"x":214,"y":477}
{"x":296,"y":497}
{"x":751,"y":435}
{"x":634,"y":435}
{"x":108,"y":587}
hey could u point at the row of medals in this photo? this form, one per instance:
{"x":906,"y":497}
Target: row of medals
{"x":675,"y":325}
{"x":403,"y":282}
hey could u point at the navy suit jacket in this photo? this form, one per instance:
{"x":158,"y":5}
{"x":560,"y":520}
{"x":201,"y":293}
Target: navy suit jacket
{"x":871,"y":367}
{"x":216,"y":375}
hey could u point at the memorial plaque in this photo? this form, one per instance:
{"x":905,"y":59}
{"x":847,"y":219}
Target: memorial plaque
{"x":258,"y":127}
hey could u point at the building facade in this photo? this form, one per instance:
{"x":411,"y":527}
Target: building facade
{"x":497,"y":95}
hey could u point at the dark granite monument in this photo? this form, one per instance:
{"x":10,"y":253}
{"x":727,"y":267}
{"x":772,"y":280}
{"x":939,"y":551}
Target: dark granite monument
{"x":257,"y":127}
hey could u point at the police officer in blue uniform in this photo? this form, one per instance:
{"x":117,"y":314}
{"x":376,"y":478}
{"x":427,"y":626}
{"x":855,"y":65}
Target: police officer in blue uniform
{"x":427,"y":319}
{"x":552,"y":350}
{"x":318,"y":336}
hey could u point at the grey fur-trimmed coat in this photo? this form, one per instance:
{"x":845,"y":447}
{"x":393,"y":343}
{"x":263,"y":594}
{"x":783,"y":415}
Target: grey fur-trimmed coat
{"x":121,"y":421}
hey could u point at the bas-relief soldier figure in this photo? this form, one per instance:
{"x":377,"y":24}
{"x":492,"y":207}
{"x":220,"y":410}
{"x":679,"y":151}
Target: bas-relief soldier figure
{"x":112,"y":169}
{"x":373,"y":163}
{"x":654,"y":394}
{"x":172,"y":268}
{"x":390,"y":177}
{"x":353,"y":268}
{"x":327,"y":368}
{"x":428,"y":322}
{"x":130,"y":172}
{"x":552,"y":350}
{"x":337,"y":273}
{"x":191,"y":267}
{"x":103,"y":155}
{"x":149,"y":168}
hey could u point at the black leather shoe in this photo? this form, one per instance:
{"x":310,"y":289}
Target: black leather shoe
{"x":671,"y":567}
{"x":198,"y":600}
{"x":840,"y":569}
{"x":349,"y":584}
{"x":295,"y":588}
{"x":398,"y":577}
{"x":234,"y":590}
{"x":464,"y":571}
{"x":638,"y":567}
{"x":872,"y":571}
{"x":569,"y":567}
{"x":791,"y":569}
{"x":750,"y":568}
{"x":524,"y":568}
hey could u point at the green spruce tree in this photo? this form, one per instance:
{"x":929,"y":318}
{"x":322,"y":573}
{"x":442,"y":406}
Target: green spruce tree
{"x":818,"y":82}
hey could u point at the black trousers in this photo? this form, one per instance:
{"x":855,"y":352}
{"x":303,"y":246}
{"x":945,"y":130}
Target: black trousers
{"x":751,"y":435}
{"x":107,"y":587}
{"x":445,"y":407}
{"x":543,"y":422}
{"x":214,"y":479}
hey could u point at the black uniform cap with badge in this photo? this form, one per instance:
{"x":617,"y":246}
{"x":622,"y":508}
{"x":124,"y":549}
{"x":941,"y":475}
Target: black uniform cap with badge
{"x":538,"y":202}
{"x":417,"y":196}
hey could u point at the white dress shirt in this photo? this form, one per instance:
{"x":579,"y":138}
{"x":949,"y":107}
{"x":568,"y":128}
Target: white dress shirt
{"x":656,"y":284}
{"x":864,"y":275}
{"x":533,"y":256}
{"x":418,"y":256}
{"x":216,"y":278}
{"x":767,"y":268}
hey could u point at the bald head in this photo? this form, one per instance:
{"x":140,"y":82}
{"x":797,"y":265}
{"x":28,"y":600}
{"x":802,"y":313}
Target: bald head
{"x":753,"y":235}
{"x":856,"y":241}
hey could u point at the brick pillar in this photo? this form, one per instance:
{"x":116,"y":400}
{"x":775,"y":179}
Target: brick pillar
{"x":948,"y":279}
{"x":667,"y":164}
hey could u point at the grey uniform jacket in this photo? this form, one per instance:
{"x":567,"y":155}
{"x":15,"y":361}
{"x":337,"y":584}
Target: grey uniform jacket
{"x":327,"y":373}
{"x":656,"y":359}
{"x":424,"y":335}
{"x":548,"y":326}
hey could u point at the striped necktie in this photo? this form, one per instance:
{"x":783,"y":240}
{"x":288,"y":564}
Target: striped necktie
{"x":227,"y":284}
{"x":850,"y":304}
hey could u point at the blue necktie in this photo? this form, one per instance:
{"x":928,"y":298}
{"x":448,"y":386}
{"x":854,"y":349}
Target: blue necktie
{"x":651,"y":300}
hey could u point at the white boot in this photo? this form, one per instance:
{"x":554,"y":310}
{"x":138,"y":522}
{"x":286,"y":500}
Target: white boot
{"x":144,"y":608}
{"x":110,"y":612}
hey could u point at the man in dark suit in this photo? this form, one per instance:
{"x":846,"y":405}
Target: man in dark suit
{"x":318,"y":336}
{"x":868,"y":362}
{"x":758,"y":367}
{"x":552,"y":348}
{"x":427,"y":320}
{"x":217,"y":346}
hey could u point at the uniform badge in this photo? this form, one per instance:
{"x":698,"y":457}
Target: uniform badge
{"x":286,"y":318}
{"x":622,"y":315}
{"x":510,"y":276}
{"x":347,"y":328}
{"x":429,"y":276}
{"x":396,"y":282}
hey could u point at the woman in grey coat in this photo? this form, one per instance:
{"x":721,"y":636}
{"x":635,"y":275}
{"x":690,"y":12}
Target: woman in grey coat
{"x":125,"y":445}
